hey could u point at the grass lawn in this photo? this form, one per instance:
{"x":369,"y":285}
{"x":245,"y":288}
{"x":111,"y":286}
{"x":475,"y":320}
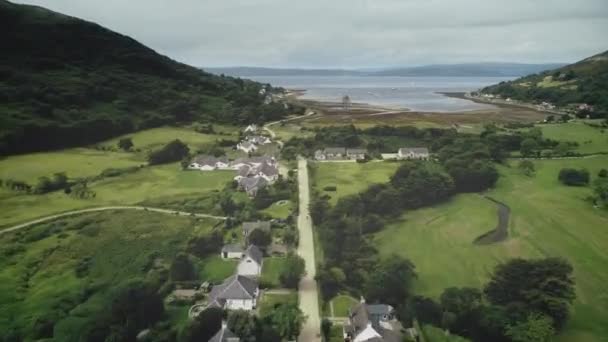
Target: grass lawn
{"x":547,"y":219}
{"x":350,"y":178}
{"x":590,"y":139}
{"x":214,"y":269}
{"x":434,"y":334}
{"x":336,"y":334}
{"x":342,"y":305}
{"x":271,"y":270}
{"x":270,"y":301}
{"x":38,"y":265}
{"x":150,"y":183}
{"x":280,"y":209}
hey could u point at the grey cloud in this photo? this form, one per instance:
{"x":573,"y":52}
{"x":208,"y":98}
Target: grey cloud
{"x":354,"y":33}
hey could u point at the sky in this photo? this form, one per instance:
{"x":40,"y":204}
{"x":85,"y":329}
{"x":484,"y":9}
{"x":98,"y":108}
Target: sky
{"x":353,"y":33}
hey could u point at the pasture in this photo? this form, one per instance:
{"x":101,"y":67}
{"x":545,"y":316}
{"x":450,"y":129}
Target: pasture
{"x":547,"y":219}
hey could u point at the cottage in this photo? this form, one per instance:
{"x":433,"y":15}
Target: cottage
{"x":331,"y":153}
{"x":246,"y":147}
{"x":252,"y":161}
{"x":356,"y":153}
{"x":208,"y":163}
{"x":251,"y":128}
{"x":268,"y":172}
{"x":235,"y":293}
{"x":248,"y":227}
{"x":251,"y":185}
{"x":375,"y":323}
{"x":232,"y":251}
{"x":251,"y":262}
{"x":258,"y":139}
{"x":224,"y":335}
{"x":413,"y":153}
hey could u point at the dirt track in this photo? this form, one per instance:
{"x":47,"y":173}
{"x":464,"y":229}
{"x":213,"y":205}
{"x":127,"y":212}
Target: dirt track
{"x":501,"y":232}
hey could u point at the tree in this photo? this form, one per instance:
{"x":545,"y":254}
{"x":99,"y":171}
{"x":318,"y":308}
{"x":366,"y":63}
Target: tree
{"x":427,"y":311}
{"x":292,"y":271}
{"x":243,"y":324}
{"x":326,"y":329}
{"x":125,"y":144}
{"x":390,"y":281}
{"x":537,"y":328}
{"x":527,"y":167}
{"x":462,"y":303}
{"x":542,"y":285}
{"x":574,"y":177}
{"x":529,"y":147}
{"x":182,"y":268}
{"x":172,"y":152}
{"x":260,"y":238}
{"x":286,"y":319}
{"x":204,"y":326}
{"x":563,"y":148}
{"x":603,"y":173}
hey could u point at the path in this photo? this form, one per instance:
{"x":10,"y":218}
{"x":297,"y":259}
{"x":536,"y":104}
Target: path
{"x":273,"y":134}
{"x":89,"y":210}
{"x":501,"y":232}
{"x":307,"y":293}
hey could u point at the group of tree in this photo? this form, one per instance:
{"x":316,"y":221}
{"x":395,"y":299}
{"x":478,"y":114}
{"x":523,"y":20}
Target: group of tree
{"x":282,"y":323}
{"x":524,"y":300}
{"x":574,"y":177}
{"x":292,"y":272}
{"x":174,"y":151}
{"x":600,"y":189}
{"x":59,"y":181}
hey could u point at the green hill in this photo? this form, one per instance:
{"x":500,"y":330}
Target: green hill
{"x":66,"y":82}
{"x":584,"y":82}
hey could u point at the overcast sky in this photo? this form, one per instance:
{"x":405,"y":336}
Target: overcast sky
{"x":353,"y":33}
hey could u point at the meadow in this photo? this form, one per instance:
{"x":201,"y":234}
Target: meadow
{"x":547,"y":219}
{"x":589,"y":139}
{"x":89,"y":256}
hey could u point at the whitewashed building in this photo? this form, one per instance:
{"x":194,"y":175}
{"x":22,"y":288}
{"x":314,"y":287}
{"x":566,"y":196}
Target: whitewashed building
{"x":251,"y":262}
{"x":413,"y":153}
{"x":235,"y":293}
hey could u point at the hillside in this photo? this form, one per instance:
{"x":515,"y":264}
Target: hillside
{"x":67,"y":82}
{"x":584,"y":82}
{"x":443,"y":70}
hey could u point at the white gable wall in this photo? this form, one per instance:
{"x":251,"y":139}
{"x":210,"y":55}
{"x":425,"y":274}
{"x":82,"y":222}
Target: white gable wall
{"x":248,"y":267}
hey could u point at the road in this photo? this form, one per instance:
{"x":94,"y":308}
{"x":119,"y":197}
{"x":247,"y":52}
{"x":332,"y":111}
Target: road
{"x":307,"y":293}
{"x":89,"y":210}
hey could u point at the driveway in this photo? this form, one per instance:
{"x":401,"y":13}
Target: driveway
{"x":307,"y":290}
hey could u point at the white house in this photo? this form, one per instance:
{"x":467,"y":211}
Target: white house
{"x":258,"y":139}
{"x":208,"y":163}
{"x":331,"y":153}
{"x":235,"y":293}
{"x":232,"y":251}
{"x":413,"y":153}
{"x":246,"y":147}
{"x":251,"y":262}
{"x":356,"y":153}
{"x":251,"y":128}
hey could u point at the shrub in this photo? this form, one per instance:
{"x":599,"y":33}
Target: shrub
{"x":574,"y":177}
{"x":330,"y":188}
{"x":172,"y":152}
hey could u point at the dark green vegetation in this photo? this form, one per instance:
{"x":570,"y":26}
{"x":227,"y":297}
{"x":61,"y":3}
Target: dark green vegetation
{"x":84,"y":278}
{"x":67,"y":82}
{"x":574,"y":177}
{"x":582,"y":82}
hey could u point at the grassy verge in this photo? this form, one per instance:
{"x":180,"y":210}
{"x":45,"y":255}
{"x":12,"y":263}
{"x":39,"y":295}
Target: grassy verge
{"x":214,"y":269}
{"x":280,"y":209}
{"x":271,"y":271}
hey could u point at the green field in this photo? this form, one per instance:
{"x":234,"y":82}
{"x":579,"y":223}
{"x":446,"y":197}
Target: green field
{"x":434,"y":334}
{"x":38,"y":276}
{"x":590,"y":139}
{"x":342,"y":304}
{"x":271,"y":270}
{"x":214,"y":269}
{"x":280,"y":209}
{"x":350,"y":178}
{"x":145,"y":185}
{"x":548,"y":219}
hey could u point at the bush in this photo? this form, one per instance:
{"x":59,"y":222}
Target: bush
{"x":172,"y":152}
{"x":574,"y":177}
{"x":330,"y":188}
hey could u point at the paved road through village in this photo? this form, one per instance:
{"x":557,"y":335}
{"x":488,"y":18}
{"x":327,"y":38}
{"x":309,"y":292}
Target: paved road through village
{"x":309,"y":304}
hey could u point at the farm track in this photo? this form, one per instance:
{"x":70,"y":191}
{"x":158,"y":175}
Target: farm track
{"x":501,"y":232}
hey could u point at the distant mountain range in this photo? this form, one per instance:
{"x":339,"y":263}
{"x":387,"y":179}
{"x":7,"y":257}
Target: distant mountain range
{"x":461,"y":70}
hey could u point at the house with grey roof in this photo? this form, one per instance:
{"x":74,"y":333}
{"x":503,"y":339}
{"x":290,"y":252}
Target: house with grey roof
{"x":246,"y":147}
{"x":413,"y":153}
{"x":258,"y":139}
{"x":248,"y":227}
{"x":251,"y":262}
{"x":252,"y":128}
{"x":331,"y":153}
{"x":251,"y":185}
{"x":270,"y":172}
{"x":356,"y":153}
{"x":224,"y":335}
{"x":208,"y":163}
{"x":237,"y":292}
{"x":252,"y":162}
{"x":232,"y":251}
{"x":372,"y":323}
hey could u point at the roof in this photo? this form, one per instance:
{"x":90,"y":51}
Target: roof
{"x":255,"y":253}
{"x":251,"y":183}
{"x":248,"y":227}
{"x":244,"y":170}
{"x":268,"y":169}
{"x":364,"y":317}
{"x":208,"y":160}
{"x":335,"y":150}
{"x":224,"y":335}
{"x":234,"y":287}
{"x":417,"y":150}
{"x":246,"y":144}
{"x":356,"y":151}
{"x":232,"y":248}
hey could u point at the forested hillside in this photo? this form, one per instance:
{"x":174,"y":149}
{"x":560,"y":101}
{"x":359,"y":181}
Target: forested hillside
{"x":582,"y":87}
{"x":66,"y":82}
